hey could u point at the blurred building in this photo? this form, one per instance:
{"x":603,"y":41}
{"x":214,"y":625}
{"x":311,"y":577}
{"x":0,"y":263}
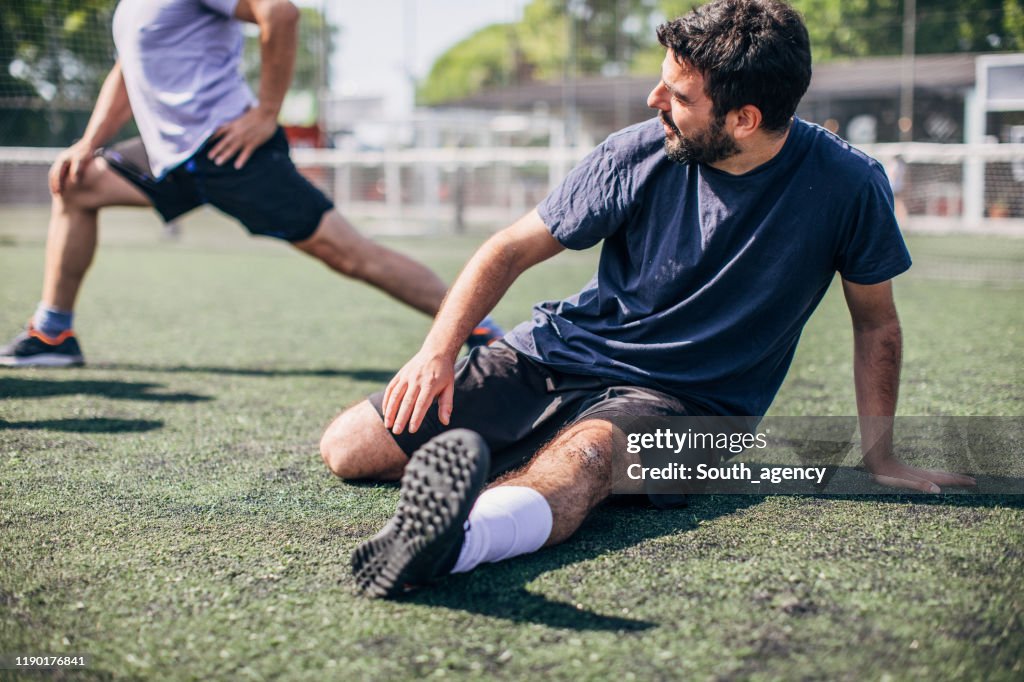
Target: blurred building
{"x":859,"y":99}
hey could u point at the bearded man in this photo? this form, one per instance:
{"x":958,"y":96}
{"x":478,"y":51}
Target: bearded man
{"x":723,"y":221}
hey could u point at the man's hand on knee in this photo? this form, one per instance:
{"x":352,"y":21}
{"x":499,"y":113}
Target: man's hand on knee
{"x":410,"y":394}
{"x":70,"y":166}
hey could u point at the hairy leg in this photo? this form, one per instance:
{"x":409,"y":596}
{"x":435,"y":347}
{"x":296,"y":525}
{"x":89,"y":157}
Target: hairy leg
{"x":337,"y":243}
{"x":71,"y":241}
{"x":573,"y":473}
{"x":357,"y":446}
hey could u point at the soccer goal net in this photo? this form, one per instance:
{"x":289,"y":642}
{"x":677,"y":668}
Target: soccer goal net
{"x":954,"y":187}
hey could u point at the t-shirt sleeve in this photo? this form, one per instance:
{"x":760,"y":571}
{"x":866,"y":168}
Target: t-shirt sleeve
{"x":225,"y":7}
{"x":873,"y":250}
{"x":590,"y":203}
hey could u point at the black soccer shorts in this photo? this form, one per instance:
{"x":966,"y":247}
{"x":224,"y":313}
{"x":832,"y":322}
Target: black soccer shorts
{"x":268,"y":195}
{"x":518,"y":405}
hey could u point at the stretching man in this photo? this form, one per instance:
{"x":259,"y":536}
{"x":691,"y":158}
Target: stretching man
{"x":204,"y":139}
{"x":723,"y":222}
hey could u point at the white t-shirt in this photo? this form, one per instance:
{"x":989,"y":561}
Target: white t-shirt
{"x":180,"y":60}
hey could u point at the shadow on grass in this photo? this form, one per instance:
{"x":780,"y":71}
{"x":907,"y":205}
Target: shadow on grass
{"x":375,"y":375}
{"x":95,"y":425}
{"x":989,"y":487}
{"x":16,"y":387}
{"x":953,"y":497}
{"x":499,"y":590}
{"x":853,"y":482}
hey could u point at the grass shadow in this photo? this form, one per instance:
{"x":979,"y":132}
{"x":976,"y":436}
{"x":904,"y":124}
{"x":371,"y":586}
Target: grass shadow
{"x":854,"y":481}
{"x":499,"y":590}
{"x":961,"y":498}
{"x":17,"y":387}
{"x":381,"y":376}
{"x":95,"y":425}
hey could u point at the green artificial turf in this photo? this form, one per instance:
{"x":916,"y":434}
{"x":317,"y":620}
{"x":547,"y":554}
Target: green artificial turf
{"x":165,"y":510}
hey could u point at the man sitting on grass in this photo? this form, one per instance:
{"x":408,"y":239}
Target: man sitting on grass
{"x":204,"y":139}
{"x":723,"y":222}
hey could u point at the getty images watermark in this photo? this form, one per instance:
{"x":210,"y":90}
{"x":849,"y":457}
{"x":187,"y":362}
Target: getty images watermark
{"x":811,"y":455}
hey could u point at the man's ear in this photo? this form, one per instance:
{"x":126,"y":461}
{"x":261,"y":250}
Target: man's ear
{"x":745,"y":121}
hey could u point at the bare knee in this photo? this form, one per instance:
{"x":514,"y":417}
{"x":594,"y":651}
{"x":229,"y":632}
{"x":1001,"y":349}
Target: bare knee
{"x":99,"y":186}
{"x":339,"y":449}
{"x":357,"y":446}
{"x":69,"y":200}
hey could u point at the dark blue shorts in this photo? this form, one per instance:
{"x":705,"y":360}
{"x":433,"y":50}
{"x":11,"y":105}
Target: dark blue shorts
{"x":268,"y":195}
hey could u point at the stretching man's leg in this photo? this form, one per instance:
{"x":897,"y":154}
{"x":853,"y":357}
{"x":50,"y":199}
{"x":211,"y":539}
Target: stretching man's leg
{"x":71,"y":240}
{"x":73,"y":236}
{"x":349,"y":253}
{"x":271,"y":198}
{"x":70,"y":246}
{"x":343,"y":249}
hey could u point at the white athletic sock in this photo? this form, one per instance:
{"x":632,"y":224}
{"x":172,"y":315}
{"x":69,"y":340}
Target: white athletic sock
{"x":506,"y":521}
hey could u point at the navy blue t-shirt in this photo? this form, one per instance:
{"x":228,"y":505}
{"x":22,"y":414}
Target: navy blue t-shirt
{"x":706,"y":279}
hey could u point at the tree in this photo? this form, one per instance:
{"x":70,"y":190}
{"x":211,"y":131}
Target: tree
{"x":862,"y":28}
{"x":555,"y":39}
{"x":566,"y":38}
{"x":55,"y":48}
{"x":54,"y":55}
{"x":486,"y":59}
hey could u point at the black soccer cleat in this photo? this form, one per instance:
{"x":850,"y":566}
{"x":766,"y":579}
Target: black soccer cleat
{"x":32,"y":348}
{"x":421,"y":542}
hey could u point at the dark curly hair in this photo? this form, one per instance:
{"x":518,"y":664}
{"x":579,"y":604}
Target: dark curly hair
{"x":749,"y":52}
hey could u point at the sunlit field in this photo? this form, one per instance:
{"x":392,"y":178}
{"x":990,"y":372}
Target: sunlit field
{"x":165,"y":511}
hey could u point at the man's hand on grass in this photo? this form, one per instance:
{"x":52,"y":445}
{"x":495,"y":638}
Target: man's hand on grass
{"x":895,"y":474}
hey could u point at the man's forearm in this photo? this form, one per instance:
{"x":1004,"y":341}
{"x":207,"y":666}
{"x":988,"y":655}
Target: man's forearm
{"x":486,"y":278}
{"x":278,"y":23}
{"x":877,"y":354}
{"x":876,"y":367}
{"x":112,"y":110}
{"x":429,"y":375}
{"x":482,"y":283}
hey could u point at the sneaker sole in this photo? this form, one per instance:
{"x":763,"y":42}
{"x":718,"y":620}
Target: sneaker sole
{"x":440,"y":484}
{"x":43,"y":360}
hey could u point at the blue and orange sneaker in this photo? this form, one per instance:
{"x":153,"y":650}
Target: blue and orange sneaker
{"x":484,"y":334}
{"x":33,"y":348}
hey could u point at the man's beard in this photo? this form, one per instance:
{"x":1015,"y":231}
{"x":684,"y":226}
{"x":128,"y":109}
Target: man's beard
{"x":708,"y":146}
